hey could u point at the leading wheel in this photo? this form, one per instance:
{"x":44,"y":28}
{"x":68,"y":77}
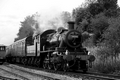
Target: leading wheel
{"x":65,"y":66}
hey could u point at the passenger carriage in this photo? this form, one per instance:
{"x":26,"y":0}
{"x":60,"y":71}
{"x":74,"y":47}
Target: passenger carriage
{"x":2,"y":53}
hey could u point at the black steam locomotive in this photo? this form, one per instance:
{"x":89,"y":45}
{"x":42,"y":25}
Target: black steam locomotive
{"x":58,"y":50}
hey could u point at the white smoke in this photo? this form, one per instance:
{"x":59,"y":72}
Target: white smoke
{"x":49,"y":21}
{"x":45,"y":22}
{"x":52,"y":20}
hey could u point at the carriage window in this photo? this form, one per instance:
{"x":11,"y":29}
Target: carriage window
{"x":29,"y":41}
{"x":2,"y":48}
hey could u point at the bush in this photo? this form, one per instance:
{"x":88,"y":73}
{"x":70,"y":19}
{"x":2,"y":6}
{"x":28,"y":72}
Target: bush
{"x":104,"y":63}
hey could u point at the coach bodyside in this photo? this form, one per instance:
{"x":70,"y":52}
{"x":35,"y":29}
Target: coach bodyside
{"x":17,"y":48}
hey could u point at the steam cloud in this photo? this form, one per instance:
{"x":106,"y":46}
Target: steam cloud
{"x":44,"y":22}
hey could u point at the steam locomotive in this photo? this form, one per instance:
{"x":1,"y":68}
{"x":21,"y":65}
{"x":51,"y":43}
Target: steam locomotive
{"x":58,"y":50}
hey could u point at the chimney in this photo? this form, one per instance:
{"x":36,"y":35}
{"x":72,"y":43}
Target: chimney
{"x":71,"y":25}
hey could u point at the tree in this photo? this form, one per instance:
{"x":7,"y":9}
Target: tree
{"x":79,"y":14}
{"x":112,"y":36}
{"x":30,"y":26}
{"x":95,"y":8}
{"x":103,"y":22}
{"x":26,"y":28}
{"x":108,"y":4}
{"x":93,"y":17}
{"x":65,"y":17}
{"x":98,"y":25}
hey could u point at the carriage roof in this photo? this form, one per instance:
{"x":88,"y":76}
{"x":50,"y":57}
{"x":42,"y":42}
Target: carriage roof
{"x":2,"y":45}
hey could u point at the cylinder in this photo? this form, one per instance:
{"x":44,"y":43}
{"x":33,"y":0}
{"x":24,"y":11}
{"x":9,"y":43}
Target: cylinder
{"x":71,"y":25}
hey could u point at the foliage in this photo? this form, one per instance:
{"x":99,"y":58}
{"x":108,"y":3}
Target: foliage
{"x":104,"y":63}
{"x":95,"y":8}
{"x":65,"y":17}
{"x":93,"y":18}
{"x":107,"y":53}
{"x":101,"y":18}
{"x":112,"y":36}
{"x":27,"y":27}
{"x":98,"y":25}
{"x":79,"y":14}
{"x":110,"y":65}
{"x":108,"y":4}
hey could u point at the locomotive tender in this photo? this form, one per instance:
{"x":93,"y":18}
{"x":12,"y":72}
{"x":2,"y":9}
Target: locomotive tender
{"x":61,"y":49}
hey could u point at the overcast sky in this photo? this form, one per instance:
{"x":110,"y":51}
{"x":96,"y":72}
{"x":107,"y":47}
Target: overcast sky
{"x":14,"y":11}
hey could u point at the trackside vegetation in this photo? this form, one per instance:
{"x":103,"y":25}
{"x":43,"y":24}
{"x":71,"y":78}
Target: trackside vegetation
{"x":101,"y":18}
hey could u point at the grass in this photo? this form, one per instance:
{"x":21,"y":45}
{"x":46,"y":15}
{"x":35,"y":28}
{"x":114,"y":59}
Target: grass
{"x":102,"y":64}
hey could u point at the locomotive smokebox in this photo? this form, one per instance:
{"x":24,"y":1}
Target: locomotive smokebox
{"x":71,"y":25}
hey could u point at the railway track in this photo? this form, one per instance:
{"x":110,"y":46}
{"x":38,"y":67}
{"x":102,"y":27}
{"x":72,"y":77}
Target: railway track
{"x":109,"y":76}
{"x":6,"y":78}
{"x":76,"y":74}
{"x":89,"y":76}
{"x":14,"y":74}
{"x":37,"y":76}
{"x":41,"y":72}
